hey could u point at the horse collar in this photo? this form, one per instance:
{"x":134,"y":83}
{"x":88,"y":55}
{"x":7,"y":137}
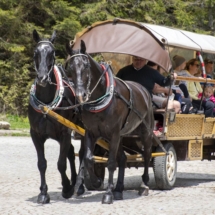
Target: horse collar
{"x":104,"y":101}
{"x":35,"y":103}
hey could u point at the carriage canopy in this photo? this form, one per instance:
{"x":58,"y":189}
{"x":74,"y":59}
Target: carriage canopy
{"x":144,"y":40}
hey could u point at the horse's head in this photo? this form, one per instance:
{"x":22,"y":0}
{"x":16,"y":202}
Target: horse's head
{"x":78,"y":66}
{"x":44,"y":57}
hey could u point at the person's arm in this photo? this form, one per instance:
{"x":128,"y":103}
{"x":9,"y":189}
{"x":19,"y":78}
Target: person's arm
{"x":198,"y":87}
{"x":212,"y":98}
{"x":164,"y":81}
{"x":159,"y":89}
{"x":192,"y":90}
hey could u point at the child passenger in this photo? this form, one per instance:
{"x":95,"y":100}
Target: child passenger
{"x":208,"y":95}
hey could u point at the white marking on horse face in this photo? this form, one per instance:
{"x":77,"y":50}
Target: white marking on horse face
{"x":43,"y":46}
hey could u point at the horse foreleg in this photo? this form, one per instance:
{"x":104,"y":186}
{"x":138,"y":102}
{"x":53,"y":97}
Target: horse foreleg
{"x":111,"y":165}
{"x":79,"y":187}
{"x":121,"y":159}
{"x":147,"y":140}
{"x":65,"y":147}
{"x":89,"y":146}
{"x":71,"y":158}
{"x":39,"y":141}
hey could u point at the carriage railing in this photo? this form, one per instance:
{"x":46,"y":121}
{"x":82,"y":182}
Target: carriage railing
{"x":196,"y":79}
{"x":100,"y":142}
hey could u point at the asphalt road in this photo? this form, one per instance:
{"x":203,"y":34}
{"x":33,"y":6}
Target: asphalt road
{"x":193,"y":193}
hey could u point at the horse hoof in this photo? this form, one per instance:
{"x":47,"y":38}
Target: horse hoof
{"x":117,"y":195}
{"x":43,"y":199}
{"x":81,"y":190}
{"x":68,"y":194}
{"x":143,"y":191}
{"x":107,"y":199}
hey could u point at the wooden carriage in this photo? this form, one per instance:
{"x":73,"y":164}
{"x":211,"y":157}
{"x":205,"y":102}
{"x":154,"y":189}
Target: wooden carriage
{"x":184,"y":136}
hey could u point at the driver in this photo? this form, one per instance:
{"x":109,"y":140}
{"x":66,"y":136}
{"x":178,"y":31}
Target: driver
{"x":139,"y":72}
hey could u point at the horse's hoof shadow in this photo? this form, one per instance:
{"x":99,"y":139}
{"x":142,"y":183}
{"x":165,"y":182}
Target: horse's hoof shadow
{"x":117,"y":195}
{"x":107,"y":198}
{"x":143,"y":191}
{"x":43,"y":199}
{"x":67,"y":195}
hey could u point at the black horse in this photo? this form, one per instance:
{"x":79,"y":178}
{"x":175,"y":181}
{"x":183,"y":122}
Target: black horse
{"x":50,"y":89}
{"x":111,"y":109}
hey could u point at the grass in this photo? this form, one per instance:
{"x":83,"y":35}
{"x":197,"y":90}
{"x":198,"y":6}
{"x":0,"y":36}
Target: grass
{"x":16,"y":122}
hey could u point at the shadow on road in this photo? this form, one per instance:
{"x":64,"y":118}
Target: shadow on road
{"x":132,"y":184}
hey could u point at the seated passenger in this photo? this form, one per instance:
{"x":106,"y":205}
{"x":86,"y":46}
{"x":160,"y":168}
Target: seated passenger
{"x":209,"y":67}
{"x":160,"y":100}
{"x":194,"y":88}
{"x":139,"y":72}
{"x":208,"y":95}
{"x":179,"y":63}
{"x":176,"y":100}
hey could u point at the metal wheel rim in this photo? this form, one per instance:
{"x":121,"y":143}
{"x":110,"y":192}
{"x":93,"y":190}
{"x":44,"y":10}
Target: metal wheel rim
{"x":170,"y":166}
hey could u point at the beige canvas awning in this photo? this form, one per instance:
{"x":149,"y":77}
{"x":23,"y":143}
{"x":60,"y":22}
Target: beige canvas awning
{"x":126,"y":37}
{"x":141,"y":39}
{"x":182,"y":39}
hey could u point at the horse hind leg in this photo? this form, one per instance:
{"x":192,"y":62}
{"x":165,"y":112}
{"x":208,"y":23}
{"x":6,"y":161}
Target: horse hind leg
{"x":39,"y":141}
{"x":146,"y":139}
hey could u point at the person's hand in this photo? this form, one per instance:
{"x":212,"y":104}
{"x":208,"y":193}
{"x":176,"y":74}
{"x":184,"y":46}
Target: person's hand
{"x":178,"y":91}
{"x":174,"y":75}
{"x":168,"y":91}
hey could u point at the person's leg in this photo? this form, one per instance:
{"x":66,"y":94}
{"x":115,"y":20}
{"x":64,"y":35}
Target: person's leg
{"x":178,"y":97}
{"x":208,"y":108}
{"x":184,"y":90}
{"x":159,"y":101}
{"x":186,"y":106}
{"x":196,"y":103}
{"x":176,"y":106}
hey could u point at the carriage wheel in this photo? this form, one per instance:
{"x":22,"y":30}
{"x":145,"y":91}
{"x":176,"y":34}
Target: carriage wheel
{"x":165,"y":168}
{"x":99,"y":170}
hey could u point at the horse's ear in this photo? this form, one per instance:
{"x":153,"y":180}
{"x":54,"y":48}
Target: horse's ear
{"x":53,"y":37}
{"x":83,"y":47}
{"x":69,"y":49}
{"x":36,"y":36}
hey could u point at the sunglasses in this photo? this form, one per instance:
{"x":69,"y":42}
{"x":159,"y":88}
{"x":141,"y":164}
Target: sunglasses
{"x":197,"y":65}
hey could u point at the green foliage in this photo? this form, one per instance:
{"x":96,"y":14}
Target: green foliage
{"x":16,"y":122}
{"x":18,"y":18}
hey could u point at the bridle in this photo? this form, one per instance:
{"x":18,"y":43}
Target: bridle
{"x":89,"y":93}
{"x":52,"y":65}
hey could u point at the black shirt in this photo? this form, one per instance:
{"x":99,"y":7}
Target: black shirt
{"x":146,"y":76}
